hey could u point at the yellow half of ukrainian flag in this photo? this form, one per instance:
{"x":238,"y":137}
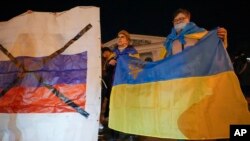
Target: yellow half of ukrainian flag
{"x":192,"y":95}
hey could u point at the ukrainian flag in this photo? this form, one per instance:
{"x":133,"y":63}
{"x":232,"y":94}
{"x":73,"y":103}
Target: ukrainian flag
{"x":192,"y":95}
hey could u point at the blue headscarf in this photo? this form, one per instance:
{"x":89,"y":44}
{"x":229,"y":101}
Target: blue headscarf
{"x":188,"y":29}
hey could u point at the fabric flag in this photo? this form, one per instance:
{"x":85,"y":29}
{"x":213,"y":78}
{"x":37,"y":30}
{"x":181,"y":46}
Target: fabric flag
{"x":191,"y":95}
{"x":50,"y":76}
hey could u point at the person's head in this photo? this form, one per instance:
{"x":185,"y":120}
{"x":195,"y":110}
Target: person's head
{"x":181,"y":17}
{"x":106,"y":52}
{"x":123,"y":38}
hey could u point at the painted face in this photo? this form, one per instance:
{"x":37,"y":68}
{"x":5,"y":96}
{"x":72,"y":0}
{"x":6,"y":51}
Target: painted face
{"x":122,"y":40}
{"x":180,"y":21}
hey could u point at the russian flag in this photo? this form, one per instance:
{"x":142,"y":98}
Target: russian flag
{"x":50,"y":70}
{"x":192,"y":95}
{"x":53,"y":87}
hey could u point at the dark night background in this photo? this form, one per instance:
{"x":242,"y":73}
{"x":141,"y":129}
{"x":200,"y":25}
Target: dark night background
{"x":151,"y":17}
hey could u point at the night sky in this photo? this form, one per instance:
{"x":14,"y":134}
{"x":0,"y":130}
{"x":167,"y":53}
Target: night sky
{"x":151,"y":17}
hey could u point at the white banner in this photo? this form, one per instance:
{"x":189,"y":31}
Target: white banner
{"x":48,"y":111}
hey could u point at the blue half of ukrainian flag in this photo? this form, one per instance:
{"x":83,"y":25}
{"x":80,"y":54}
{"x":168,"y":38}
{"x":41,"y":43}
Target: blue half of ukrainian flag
{"x":208,"y":58}
{"x":192,"y":95}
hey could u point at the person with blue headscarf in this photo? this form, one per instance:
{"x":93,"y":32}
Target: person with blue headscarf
{"x":186,"y":34}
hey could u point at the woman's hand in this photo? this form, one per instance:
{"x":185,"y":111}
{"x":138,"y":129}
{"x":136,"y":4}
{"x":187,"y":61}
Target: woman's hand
{"x":222,"y":34}
{"x":112,"y":62}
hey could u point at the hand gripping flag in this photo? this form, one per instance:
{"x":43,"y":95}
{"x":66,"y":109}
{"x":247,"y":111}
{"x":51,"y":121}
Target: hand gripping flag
{"x":191,"y":95}
{"x":49,"y":76}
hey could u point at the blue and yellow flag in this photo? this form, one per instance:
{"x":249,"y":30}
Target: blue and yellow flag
{"x":192,"y":95}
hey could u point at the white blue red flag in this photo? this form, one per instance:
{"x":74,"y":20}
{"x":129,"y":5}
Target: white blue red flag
{"x":50,"y":76}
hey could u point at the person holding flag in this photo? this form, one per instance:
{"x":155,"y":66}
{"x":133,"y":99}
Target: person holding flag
{"x":185,"y":34}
